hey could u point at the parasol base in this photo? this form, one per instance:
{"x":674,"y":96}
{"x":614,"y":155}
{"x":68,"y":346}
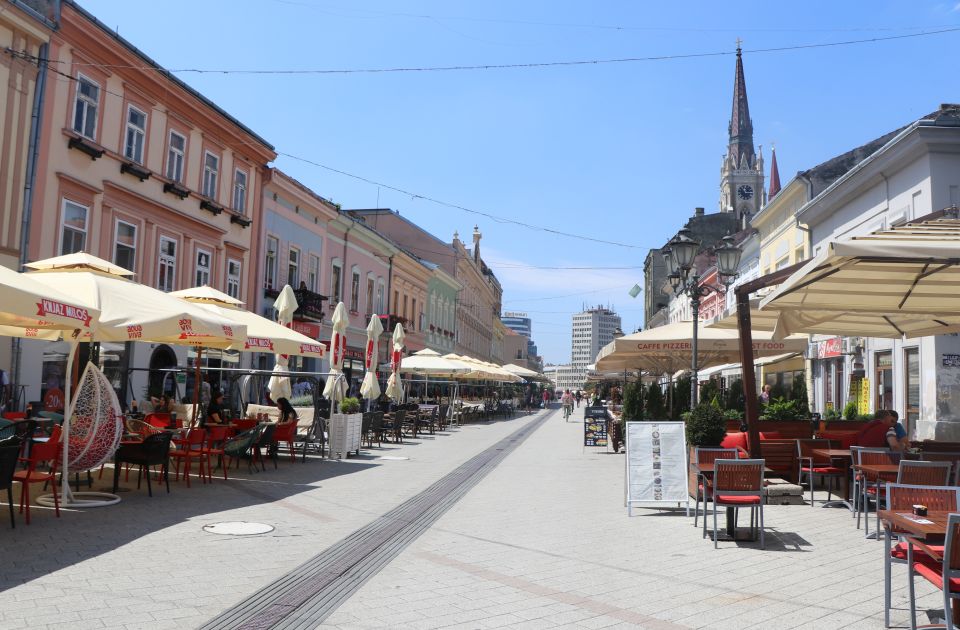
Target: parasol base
{"x":81,"y":500}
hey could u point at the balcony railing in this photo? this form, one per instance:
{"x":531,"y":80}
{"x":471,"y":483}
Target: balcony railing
{"x":310,"y":304}
{"x":390,"y":322}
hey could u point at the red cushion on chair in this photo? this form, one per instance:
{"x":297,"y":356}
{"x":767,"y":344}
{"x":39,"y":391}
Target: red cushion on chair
{"x":824,"y":470}
{"x":931,"y":569}
{"x":899,"y":552}
{"x":737,"y":499}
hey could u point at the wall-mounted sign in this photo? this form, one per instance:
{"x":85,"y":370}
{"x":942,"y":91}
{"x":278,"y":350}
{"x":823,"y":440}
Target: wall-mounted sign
{"x":830,"y":348}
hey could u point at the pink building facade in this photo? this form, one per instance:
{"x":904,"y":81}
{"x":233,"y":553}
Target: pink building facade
{"x":138,"y":168}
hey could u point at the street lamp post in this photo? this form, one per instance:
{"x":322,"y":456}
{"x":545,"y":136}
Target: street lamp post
{"x":679,"y":257}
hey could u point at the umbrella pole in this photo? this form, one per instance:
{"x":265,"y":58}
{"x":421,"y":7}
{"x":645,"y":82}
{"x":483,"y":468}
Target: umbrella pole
{"x":67,"y":496}
{"x":196,"y":384}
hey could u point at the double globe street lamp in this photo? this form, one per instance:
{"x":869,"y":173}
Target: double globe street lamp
{"x":679,"y":257}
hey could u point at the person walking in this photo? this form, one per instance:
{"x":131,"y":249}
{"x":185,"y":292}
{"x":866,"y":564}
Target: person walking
{"x":567,"y":401}
{"x":579,"y":398}
{"x":546,"y":398}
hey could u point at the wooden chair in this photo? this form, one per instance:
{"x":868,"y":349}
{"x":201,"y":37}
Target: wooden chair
{"x":940,"y":568}
{"x":813,"y":465}
{"x":874,"y":491}
{"x":920,"y":473}
{"x":902,"y":498}
{"x":703,"y":459}
{"x":738,"y":483}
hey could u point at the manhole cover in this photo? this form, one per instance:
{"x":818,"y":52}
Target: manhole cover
{"x":394,"y":458}
{"x":238,"y":528}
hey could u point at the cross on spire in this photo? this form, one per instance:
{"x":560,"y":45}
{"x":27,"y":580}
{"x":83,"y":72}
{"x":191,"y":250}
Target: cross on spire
{"x":739,"y":41}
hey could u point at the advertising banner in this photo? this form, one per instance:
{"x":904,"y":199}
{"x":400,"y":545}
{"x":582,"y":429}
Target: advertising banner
{"x":656,"y":464}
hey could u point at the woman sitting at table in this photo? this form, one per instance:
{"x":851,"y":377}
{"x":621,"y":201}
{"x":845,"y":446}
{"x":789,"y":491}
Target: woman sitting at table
{"x":287,"y":412}
{"x":164,"y":404}
{"x":215,"y":409}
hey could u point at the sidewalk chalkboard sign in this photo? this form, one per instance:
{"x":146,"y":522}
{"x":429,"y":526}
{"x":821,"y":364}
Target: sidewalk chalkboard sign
{"x":656,"y":464}
{"x":595,"y":426}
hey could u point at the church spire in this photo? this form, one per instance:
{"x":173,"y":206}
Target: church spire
{"x":774,"y":175}
{"x":741,"y":127}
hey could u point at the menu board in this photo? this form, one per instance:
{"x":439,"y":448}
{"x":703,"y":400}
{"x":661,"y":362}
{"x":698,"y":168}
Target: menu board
{"x":656,"y":464}
{"x":595,"y":426}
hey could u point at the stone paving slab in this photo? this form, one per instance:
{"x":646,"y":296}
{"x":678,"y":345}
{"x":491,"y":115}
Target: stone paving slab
{"x":147,"y":563}
{"x":544,"y":541}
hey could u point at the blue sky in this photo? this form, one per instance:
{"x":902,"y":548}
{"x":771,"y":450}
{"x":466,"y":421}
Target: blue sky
{"x":617,"y":151}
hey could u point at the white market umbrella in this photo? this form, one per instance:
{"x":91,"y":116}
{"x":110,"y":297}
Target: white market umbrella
{"x":336,"y":387}
{"x":370,"y":388}
{"x":666,"y":349}
{"x":900,"y":282}
{"x":129,"y":311}
{"x":394,"y":384}
{"x":429,"y":363}
{"x":285,"y":305}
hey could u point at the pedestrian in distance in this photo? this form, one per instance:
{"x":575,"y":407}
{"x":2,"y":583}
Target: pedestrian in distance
{"x":579,"y":398}
{"x":567,"y":401}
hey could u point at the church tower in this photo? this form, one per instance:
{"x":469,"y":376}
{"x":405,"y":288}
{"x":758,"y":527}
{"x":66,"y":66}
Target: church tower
{"x":741,"y":175}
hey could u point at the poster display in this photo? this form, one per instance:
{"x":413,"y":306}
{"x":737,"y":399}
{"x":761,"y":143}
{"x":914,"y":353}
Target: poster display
{"x":595,"y":426}
{"x":656,"y":464}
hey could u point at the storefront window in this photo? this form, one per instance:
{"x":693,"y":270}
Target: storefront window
{"x":884,"y":371}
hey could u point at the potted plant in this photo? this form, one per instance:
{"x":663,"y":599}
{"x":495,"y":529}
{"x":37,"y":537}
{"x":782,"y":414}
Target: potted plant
{"x":349,"y":406}
{"x":781,"y":409}
{"x":706,"y":426}
{"x":345,"y":428}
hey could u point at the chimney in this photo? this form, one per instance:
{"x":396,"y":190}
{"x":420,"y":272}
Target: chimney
{"x":698,"y":212}
{"x":476,"y":244}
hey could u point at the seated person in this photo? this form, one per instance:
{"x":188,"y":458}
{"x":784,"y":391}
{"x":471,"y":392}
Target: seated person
{"x":215,"y":409}
{"x":900,"y":434}
{"x":164,"y":404}
{"x":287,"y":412}
{"x":880,"y":432}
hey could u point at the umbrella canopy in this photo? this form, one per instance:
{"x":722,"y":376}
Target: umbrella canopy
{"x":335,"y":388}
{"x":130,"y":311}
{"x":394,"y":385}
{"x":904,"y":281}
{"x":33,"y":309}
{"x":666,"y":349}
{"x":286,"y":305}
{"x":263,"y":335}
{"x":429,"y":363}
{"x":370,"y":388}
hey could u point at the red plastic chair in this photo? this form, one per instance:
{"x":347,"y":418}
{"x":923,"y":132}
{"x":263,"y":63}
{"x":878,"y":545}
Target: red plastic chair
{"x":14,"y":415}
{"x":40,"y":453}
{"x":286,"y":432}
{"x":191,"y":448}
{"x":216,"y":436}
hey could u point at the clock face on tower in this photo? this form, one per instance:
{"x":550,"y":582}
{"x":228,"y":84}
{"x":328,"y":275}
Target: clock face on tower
{"x":745,"y":191}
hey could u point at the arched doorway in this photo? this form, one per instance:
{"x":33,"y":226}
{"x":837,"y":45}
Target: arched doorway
{"x":162,"y":358}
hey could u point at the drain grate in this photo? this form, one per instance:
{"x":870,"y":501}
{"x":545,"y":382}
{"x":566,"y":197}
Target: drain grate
{"x":310,"y":593}
{"x":238,"y":528}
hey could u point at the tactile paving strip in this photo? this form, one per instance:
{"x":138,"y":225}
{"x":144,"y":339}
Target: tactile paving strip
{"x":310,"y":593}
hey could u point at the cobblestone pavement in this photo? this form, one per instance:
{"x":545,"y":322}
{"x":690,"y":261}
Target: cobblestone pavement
{"x":542,"y":541}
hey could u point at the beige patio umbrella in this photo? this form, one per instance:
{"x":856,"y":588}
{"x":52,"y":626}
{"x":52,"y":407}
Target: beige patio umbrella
{"x":32,"y":309}
{"x":666,"y":349}
{"x":901,"y":282}
{"x":336,"y":387}
{"x":394,"y":384}
{"x":370,"y":388}
{"x":428,"y":363}
{"x":129,"y":311}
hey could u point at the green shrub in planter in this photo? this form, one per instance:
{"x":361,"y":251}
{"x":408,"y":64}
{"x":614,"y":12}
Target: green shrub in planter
{"x":850,"y":411}
{"x":780,"y":409}
{"x":706,"y":426}
{"x":349,"y":405}
{"x":633,"y":402}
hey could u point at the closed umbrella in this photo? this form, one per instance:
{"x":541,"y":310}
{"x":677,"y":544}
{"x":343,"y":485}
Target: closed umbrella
{"x":336,"y":386}
{"x":285,"y":305}
{"x":370,"y":388}
{"x":394,"y":385}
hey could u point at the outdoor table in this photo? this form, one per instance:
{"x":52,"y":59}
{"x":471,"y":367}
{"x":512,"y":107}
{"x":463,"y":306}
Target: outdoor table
{"x":933,"y":530}
{"x":835,"y":454}
{"x":731,"y":530}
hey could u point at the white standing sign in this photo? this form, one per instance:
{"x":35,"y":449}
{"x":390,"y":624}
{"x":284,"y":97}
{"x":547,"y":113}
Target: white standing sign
{"x":656,"y":464}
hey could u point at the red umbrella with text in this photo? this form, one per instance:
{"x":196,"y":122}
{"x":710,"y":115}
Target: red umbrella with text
{"x":370,"y":388}
{"x":336,"y":386}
